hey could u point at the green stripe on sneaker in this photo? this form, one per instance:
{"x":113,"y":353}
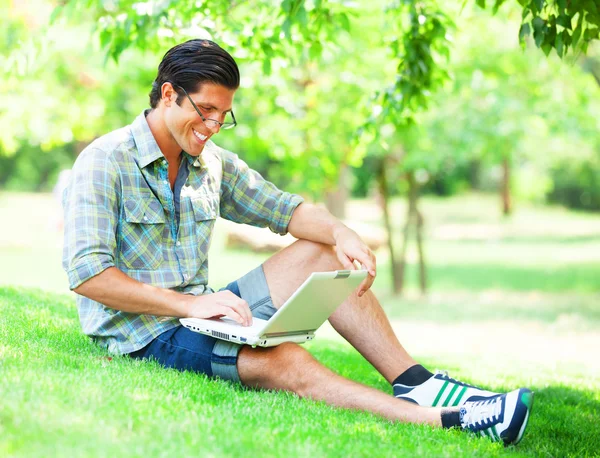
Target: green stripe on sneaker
{"x":440,"y":393}
{"x":460,"y":395}
{"x":450,"y":396}
{"x":496,"y":433}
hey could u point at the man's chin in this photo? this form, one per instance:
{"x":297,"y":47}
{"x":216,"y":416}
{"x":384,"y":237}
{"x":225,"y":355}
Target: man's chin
{"x":197,"y":151}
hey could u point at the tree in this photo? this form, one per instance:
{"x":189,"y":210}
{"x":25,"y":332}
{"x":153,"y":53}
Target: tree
{"x":419,"y":45}
{"x":557,"y":24}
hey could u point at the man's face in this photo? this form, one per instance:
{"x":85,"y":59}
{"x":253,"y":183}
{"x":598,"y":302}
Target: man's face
{"x":186,"y":126}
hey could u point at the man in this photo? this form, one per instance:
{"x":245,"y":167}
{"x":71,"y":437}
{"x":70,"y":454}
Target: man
{"x":139,"y":213}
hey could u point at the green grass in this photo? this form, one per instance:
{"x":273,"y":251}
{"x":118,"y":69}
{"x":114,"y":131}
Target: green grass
{"x":513,"y":302}
{"x":63,"y":396}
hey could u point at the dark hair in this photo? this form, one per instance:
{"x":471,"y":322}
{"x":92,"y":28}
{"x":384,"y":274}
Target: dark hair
{"x":192,"y":63}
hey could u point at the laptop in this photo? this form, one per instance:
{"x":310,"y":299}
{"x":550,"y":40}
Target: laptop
{"x":296,"y":321}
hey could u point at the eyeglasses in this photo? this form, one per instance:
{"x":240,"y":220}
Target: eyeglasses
{"x":210,"y":123}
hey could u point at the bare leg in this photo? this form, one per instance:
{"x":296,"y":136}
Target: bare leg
{"x":291,"y":368}
{"x":360,"y":320}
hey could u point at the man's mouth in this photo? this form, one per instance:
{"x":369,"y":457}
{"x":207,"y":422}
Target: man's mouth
{"x":200,"y":137}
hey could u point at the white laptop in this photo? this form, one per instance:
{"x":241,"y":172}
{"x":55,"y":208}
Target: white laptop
{"x":296,"y":321}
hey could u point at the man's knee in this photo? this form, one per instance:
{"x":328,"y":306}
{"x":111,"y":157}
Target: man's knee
{"x":284,"y":367}
{"x":318,"y":254}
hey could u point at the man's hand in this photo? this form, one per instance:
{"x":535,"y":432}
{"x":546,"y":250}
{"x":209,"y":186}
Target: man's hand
{"x":216,"y":305}
{"x":349,"y":247}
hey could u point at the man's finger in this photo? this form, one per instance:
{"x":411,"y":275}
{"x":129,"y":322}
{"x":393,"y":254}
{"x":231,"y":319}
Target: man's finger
{"x":346,"y":262}
{"x":365,"y":285}
{"x":242,"y":308}
{"x":231,"y":313}
{"x":367,"y":261}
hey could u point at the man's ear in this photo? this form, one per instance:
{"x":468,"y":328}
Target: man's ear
{"x":168,"y":94}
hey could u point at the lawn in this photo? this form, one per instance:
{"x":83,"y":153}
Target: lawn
{"x":512,"y":303}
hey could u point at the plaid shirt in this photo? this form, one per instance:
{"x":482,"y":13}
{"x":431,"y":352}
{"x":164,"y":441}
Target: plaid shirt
{"x":119,"y":211}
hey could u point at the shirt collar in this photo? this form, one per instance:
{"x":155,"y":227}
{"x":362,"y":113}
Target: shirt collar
{"x":147,"y":150}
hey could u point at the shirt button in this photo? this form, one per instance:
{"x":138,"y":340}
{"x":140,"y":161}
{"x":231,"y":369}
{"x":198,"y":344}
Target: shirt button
{"x":178,"y":243}
{"x":145,"y":218}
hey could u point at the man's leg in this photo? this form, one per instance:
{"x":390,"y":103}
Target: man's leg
{"x":360,"y":320}
{"x":291,"y":368}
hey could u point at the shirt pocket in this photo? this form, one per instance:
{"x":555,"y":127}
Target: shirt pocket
{"x":206,"y":211}
{"x":142,"y":233}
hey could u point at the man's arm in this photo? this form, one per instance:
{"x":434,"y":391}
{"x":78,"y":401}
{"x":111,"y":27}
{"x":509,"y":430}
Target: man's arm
{"x":311,"y":222}
{"x":91,"y":215}
{"x":117,"y":290}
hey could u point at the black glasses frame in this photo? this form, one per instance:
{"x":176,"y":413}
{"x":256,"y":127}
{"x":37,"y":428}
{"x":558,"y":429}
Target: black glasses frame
{"x":222,"y":125}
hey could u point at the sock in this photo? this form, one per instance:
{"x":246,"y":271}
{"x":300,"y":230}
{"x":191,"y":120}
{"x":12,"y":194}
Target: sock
{"x":450,"y":418}
{"x":413,"y":376}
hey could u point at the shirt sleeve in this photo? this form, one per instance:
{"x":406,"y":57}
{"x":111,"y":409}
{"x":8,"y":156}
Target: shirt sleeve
{"x":246,"y":197}
{"x":91,"y":212}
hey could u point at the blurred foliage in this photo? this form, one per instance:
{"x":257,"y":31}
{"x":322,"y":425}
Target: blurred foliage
{"x":309,"y":74}
{"x":557,"y":24}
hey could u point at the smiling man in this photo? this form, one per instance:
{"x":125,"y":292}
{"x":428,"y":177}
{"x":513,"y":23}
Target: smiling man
{"x":139,"y":215}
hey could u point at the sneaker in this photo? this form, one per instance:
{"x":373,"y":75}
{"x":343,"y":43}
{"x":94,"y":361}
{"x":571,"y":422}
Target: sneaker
{"x":440,"y":390}
{"x":502,"y":418}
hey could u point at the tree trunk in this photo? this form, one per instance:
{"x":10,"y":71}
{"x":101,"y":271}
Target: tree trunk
{"x":336,"y":198}
{"x":422,"y":265}
{"x":402,"y":261}
{"x":416,"y":219}
{"x":506,"y":198}
{"x":385,"y":202}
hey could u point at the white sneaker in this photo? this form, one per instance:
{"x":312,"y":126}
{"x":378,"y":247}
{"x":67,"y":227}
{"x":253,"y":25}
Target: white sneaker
{"x":502,"y":418}
{"x":442,"y":391}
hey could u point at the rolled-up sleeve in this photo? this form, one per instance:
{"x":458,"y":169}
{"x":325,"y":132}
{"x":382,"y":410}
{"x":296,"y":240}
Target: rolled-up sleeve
{"x":246,"y":197}
{"x":91,"y":211}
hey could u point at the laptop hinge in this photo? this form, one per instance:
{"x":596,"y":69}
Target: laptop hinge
{"x":281,"y":334}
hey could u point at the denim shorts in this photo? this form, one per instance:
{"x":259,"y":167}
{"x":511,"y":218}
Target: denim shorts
{"x":182,"y":349}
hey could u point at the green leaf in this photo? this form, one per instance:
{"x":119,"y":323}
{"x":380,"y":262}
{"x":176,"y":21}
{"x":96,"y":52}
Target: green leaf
{"x":562,"y":4}
{"x":344,"y":22}
{"x":538,"y":30}
{"x":577,"y":35}
{"x":497,"y":6}
{"x":564,"y":21}
{"x":286,"y":6}
{"x":584,"y":47}
{"x":286,"y":28}
{"x":547,"y":48}
{"x":302,"y":17}
{"x":524,"y":32}
{"x":537,"y":23}
{"x":558,"y":44}
{"x":315,"y":50}
{"x":266,"y":66}
{"x":56,"y":12}
{"x":591,"y":34}
{"x":480,"y":3}
{"x":539,"y":4}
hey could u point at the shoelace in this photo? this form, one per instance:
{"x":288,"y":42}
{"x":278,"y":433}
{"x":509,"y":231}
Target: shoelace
{"x":481,"y":413}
